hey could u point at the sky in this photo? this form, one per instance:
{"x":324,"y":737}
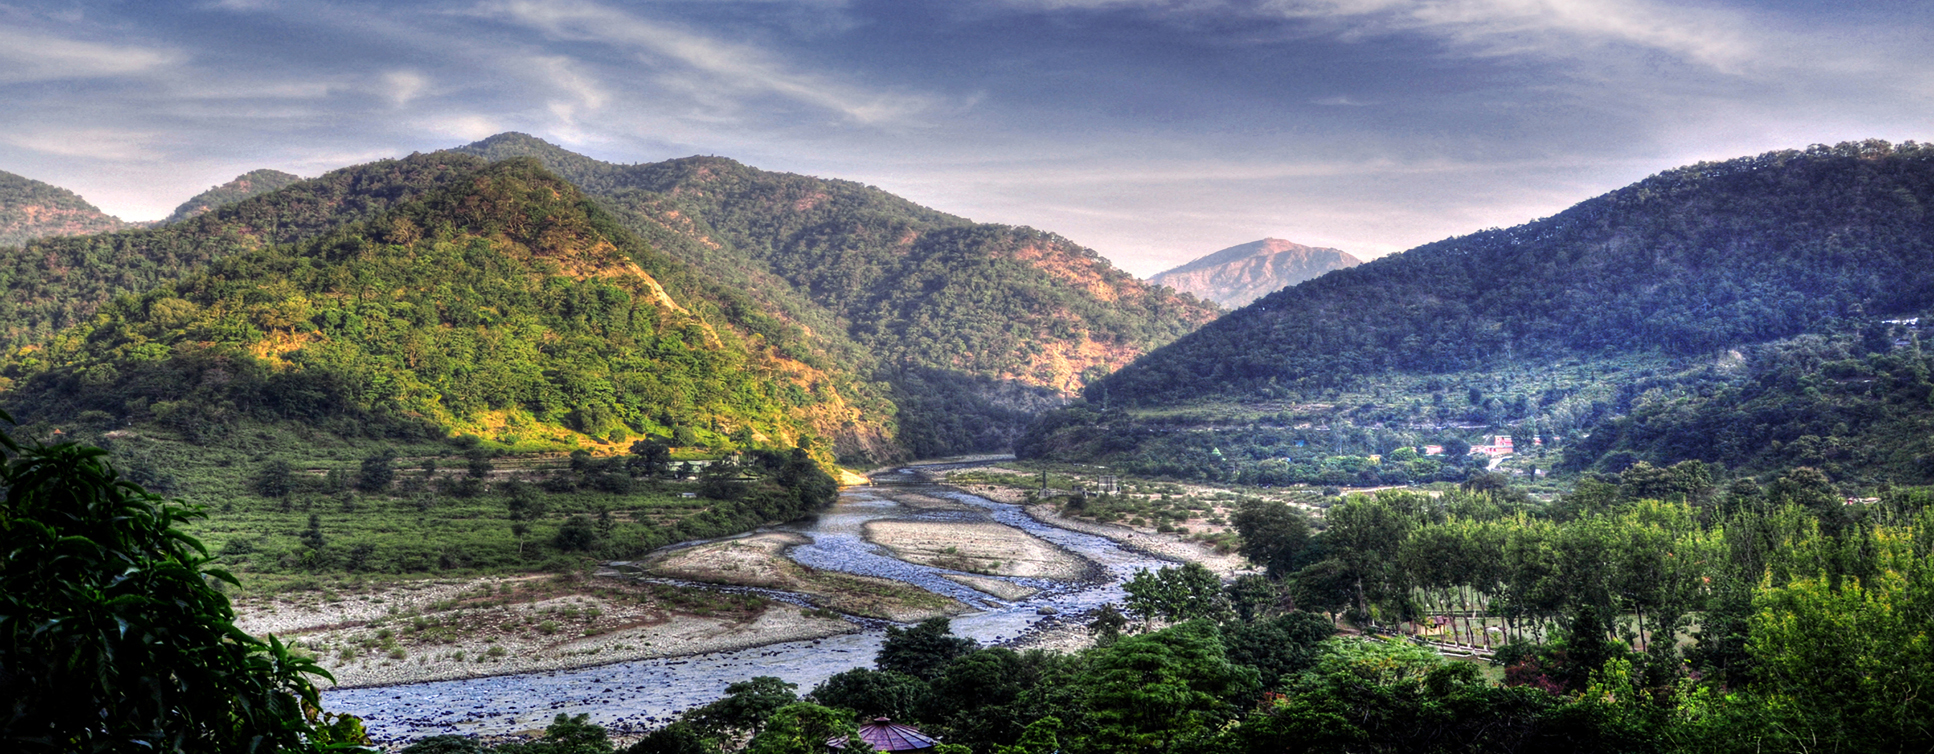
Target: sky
{"x":1153,"y":131}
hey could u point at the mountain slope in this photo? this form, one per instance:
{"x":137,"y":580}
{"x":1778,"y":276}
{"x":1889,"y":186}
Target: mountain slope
{"x":30,"y":209}
{"x":1235,"y":276}
{"x":976,"y":327}
{"x":54,"y":283}
{"x":1609,"y":333}
{"x":1686,"y":262}
{"x":249,"y":184}
{"x":501,"y":304}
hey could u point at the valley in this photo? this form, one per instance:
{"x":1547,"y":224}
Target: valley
{"x":503,"y":435}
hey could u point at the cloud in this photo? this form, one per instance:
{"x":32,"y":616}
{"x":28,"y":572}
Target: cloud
{"x":399,"y":87}
{"x":30,"y":56}
{"x":737,"y":68}
{"x":90,"y":143}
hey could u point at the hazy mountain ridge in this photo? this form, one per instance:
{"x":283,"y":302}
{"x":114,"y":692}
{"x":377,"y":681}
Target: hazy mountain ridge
{"x":1235,"y":276}
{"x":31,"y":209}
{"x":502,"y":304}
{"x":249,"y":184}
{"x":892,"y":287}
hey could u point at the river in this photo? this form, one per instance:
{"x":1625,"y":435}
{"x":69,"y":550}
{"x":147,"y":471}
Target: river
{"x":643,"y":694}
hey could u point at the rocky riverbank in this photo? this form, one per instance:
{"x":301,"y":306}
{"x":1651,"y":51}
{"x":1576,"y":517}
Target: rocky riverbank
{"x":445,"y":629}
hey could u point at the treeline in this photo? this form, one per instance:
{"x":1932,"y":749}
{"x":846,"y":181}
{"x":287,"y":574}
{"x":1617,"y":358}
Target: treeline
{"x":957,"y":317}
{"x":1686,"y":262}
{"x":506,"y":292}
{"x":602,"y":509}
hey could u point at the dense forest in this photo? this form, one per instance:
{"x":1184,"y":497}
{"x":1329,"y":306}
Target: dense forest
{"x":30,"y":209}
{"x":1857,"y":404}
{"x":1686,"y":262}
{"x":975,"y":326}
{"x":250,"y":184}
{"x":503,"y":306}
{"x":56,"y":283}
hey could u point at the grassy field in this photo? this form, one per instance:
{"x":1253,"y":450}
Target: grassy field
{"x":447,"y":509}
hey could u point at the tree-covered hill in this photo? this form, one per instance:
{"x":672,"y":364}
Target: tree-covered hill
{"x":30,"y":209}
{"x":498,"y":303}
{"x":975,"y":327}
{"x":1686,"y":262}
{"x":246,"y":185}
{"x":55,"y":283}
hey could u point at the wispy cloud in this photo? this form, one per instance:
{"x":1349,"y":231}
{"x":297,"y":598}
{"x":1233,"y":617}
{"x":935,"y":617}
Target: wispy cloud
{"x":90,"y":143}
{"x":740,"y":68}
{"x":34,"y":56}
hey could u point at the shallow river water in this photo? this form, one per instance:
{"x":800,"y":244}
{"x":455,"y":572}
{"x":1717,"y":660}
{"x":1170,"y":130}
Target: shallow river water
{"x":642,"y":694}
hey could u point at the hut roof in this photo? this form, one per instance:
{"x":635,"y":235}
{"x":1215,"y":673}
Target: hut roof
{"x":885,"y":735}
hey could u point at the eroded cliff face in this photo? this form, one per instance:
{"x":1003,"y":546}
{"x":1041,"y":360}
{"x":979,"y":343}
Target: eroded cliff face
{"x":1235,"y":276}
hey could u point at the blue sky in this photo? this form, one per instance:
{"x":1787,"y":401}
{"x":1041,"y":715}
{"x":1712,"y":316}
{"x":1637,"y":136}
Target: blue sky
{"x":1153,"y":131}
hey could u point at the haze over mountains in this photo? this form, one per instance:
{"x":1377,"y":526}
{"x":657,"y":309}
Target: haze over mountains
{"x":1237,"y":275}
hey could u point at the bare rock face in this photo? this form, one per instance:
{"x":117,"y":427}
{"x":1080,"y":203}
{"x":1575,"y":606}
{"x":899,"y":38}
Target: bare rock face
{"x":30,"y":209}
{"x":1235,"y":276}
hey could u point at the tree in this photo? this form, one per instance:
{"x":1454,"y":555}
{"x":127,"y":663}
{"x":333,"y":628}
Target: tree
{"x":745,"y":706}
{"x":1150,"y":692}
{"x":111,"y":637}
{"x":565,"y":735}
{"x":804,"y":728}
{"x":680,"y":737}
{"x":1274,"y":535}
{"x":576,"y":534}
{"x":1182,"y":593}
{"x":921,"y":651}
{"x":275,"y":480}
{"x":873,"y":693}
{"x":377,"y":471}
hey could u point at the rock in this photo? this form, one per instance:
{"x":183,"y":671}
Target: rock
{"x":1045,"y":610}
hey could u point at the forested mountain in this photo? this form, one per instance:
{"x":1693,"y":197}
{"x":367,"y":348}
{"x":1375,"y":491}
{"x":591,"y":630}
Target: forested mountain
{"x":54,"y":283}
{"x":1237,"y":275}
{"x":1685,"y":262}
{"x":249,"y":184}
{"x":30,"y":209}
{"x":975,"y":327}
{"x":1664,"y":321}
{"x":497,"y":302}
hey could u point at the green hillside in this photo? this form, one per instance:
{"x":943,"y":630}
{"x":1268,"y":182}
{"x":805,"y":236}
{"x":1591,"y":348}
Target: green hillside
{"x":1857,"y":405}
{"x":502,"y":306}
{"x":30,"y":209}
{"x":246,"y":185}
{"x":55,"y":283}
{"x":975,"y":327}
{"x":1683,"y":263}
{"x":1560,"y":330}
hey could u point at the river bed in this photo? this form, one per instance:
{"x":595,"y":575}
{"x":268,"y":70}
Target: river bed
{"x":643,"y":694}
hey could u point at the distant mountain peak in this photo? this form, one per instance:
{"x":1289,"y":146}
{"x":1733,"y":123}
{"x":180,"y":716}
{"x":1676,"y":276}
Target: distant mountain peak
{"x":31,"y":209}
{"x":246,"y":185}
{"x":1243,"y":273}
